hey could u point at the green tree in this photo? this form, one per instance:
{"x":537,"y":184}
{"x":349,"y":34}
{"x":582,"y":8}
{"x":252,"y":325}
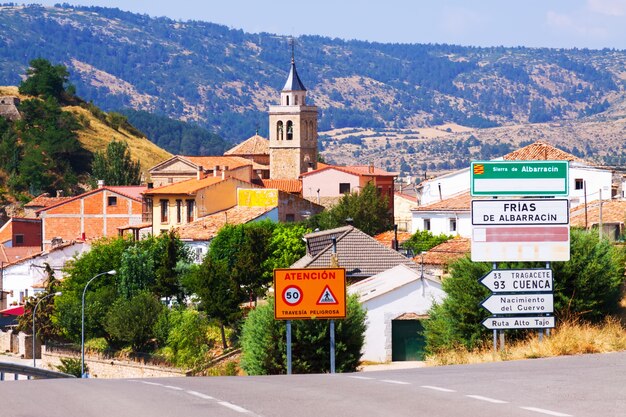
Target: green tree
{"x":587,"y":286}
{"x":368,"y":210}
{"x":424,"y":240}
{"x":115,"y":165}
{"x":264,"y":349}
{"x":218,"y":293}
{"x":131,"y":321}
{"x":169,"y":254}
{"x":285,"y":247}
{"x":44,"y":327}
{"x":187,"y":341}
{"x":44,"y":79}
{"x":136,"y":272}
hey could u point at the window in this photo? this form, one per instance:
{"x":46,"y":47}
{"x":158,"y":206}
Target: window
{"x":19,"y":240}
{"x":179,"y":211}
{"x":426,"y":224}
{"x":344,"y":187}
{"x":287,"y":100}
{"x":190,"y":204}
{"x":579,"y":184}
{"x":453,"y":225}
{"x":279,"y":130}
{"x":296,"y":98}
{"x":164,"y":210}
{"x":112,"y":201}
{"x":290,"y":218}
{"x":289,"y":130}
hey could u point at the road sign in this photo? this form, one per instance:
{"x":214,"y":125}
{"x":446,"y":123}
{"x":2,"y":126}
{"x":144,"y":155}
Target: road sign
{"x":520,"y":243}
{"x":523,"y":178}
{"x":518,"y":280}
{"x":310,"y":293}
{"x":520,"y":212}
{"x":522,"y":322}
{"x":519,"y":303}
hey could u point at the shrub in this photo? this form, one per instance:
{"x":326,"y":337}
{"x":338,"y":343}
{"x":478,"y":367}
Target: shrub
{"x":131,"y":321}
{"x":71,"y":366}
{"x":187,"y":343}
{"x":264,"y":348}
{"x":98,"y":344}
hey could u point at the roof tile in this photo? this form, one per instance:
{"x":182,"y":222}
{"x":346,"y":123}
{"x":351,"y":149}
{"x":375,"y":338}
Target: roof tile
{"x":540,"y":151}
{"x":256,"y":145}
{"x":206,"y":228}
{"x":185,"y":187}
{"x":287,"y":185}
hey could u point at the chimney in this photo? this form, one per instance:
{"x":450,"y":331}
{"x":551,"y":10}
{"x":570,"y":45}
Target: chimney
{"x":215,"y":169}
{"x":199,"y":172}
{"x":371,"y":168}
{"x":59,"y":193}
{"x":100,"y":183}
{"x":225,"y":168}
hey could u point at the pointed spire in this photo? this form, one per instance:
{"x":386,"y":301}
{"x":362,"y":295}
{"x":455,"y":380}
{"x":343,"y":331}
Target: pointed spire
{"x":293,"y":80}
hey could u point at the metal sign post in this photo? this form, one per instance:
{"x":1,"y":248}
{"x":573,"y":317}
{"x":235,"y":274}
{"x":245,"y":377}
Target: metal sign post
{"x":332,"y":346}
{"x":288,"y":347}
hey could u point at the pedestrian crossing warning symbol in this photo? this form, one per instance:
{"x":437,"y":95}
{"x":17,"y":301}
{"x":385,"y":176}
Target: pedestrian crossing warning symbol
{"x":327,"y":297}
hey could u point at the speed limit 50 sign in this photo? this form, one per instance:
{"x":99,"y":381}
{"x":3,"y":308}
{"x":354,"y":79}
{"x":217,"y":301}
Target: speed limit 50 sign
{"x":310,"y":293}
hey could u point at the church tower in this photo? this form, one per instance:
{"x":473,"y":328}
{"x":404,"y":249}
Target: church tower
{"x":293,"y":131}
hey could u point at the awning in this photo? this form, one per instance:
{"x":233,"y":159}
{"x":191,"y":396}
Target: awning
{"x":13,"y":311}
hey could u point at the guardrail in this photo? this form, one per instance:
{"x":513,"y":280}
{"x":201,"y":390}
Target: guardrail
{"x":29,"y":371}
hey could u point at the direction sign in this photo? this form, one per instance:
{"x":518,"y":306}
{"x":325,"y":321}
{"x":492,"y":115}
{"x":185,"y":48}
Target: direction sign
{"x":520,"y":212}
{"x":518,"y":280}
{"x":523,"y":178}
{"x":519,"y":303}
{"x":310,"y":293}
{"x":522,"y":322}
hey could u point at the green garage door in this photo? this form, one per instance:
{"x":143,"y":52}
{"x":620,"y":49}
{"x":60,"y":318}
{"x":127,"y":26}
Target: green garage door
{"x":407,"y":340}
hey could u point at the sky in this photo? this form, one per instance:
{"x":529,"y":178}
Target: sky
{"x":591,"y":24}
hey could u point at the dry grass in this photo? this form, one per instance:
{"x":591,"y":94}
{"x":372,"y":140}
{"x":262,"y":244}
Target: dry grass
{"x":569,"y":338}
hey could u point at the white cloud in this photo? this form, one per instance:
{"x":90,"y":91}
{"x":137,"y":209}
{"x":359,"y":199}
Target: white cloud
{"x":579,"y":27}
{"x":459,"y":21}
{"x":607,"y":7}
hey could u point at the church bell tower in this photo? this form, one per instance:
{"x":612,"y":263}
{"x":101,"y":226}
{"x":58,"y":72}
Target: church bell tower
{"x":293,"y":131}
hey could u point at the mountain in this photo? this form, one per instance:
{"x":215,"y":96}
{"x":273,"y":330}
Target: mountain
{"x":224,"y":79}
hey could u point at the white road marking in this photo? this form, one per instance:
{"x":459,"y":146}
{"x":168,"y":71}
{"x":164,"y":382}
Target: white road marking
{"x":548,"y":412}
{"x":489,"y":400}
{"x":392,"y":381}
{"x":173,"y":387}
{"x":437,"y":388}
{"x":200,"y":395}
{"x":151,"y":383}
{"x":360,"y":377}
{"x":233,"y":406}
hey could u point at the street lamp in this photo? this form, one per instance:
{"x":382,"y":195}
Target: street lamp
{"x":82,"y":332}
{"x":35,"y":334}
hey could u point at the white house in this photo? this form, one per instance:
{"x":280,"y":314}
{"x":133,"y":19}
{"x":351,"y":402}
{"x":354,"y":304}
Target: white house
{"x":26,"y":277}
{"x":450,"y":216}
{"x":396,"y":300}
{"x":583,"y":177}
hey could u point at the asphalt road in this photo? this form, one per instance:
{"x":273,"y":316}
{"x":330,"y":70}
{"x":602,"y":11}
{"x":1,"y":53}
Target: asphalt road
{"x":588,"y":385}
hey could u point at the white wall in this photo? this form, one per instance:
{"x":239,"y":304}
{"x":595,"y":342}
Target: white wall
{"x":450,"y":184}
{"x":440,"y":222}
{"x":596,"y":179}
{"x":20,"y":277}
{"x":415,"y":297}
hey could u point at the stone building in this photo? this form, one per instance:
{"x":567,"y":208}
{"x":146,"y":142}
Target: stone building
{"x":292,"y":131}
{"x":8,"y":107}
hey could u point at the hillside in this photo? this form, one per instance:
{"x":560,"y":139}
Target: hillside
{"x":94,"y":135}
{"x":224,"y":79}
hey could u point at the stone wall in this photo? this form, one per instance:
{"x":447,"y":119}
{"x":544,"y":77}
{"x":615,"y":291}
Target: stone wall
{"x":103,"y":367}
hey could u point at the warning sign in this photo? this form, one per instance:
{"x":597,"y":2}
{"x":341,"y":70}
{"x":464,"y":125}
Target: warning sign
{"x":310,"y":293}
{"x":327,"y":297}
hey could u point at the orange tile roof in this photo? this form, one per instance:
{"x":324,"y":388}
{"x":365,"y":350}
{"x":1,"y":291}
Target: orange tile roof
{"x":445,"y":252}
{"x":540,"y":151}
{"x":256,"y":145}
{"x":412,"y":198}
{"x":613,"y":211}
{"x":289,"y":186}
{"x":9,"y":255}
{"x":360,"y":170}
{"x":184,"y":187}
{"x":457,"y":202}
{"x":386,"y":237}
{"x":209,"y":162}
{"x":206,"y":228}
{"x":44,"y":200}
